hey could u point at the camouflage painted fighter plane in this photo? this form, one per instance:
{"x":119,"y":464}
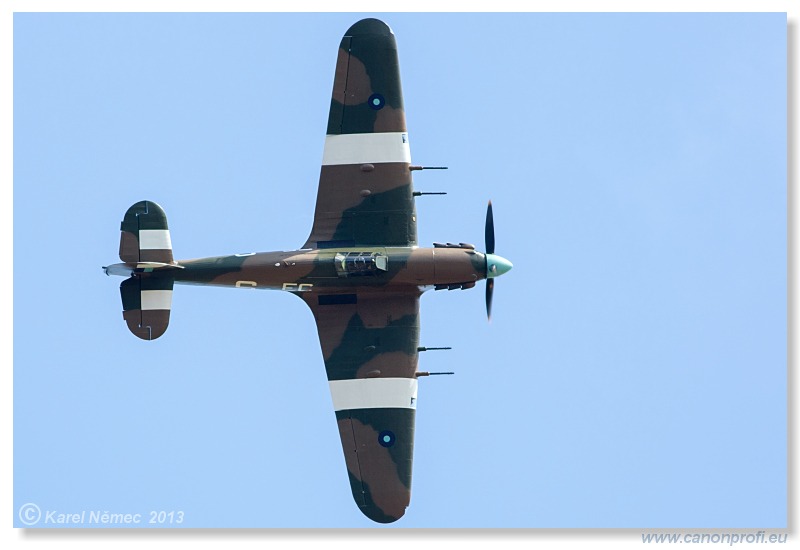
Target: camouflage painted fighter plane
{"x":360,"y":271}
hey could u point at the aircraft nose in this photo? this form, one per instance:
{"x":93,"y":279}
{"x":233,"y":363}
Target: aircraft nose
{"x":496,"y":266}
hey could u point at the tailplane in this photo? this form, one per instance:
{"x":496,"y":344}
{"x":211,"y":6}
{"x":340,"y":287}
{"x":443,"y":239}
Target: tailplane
{"x":145,"y":247}
{"x":145,"y":235}
{"x":146,"y":304}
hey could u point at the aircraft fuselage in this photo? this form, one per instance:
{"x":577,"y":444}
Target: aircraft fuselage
{"x":306,"y":270}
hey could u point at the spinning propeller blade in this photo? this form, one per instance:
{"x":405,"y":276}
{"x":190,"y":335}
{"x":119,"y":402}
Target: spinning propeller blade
{"x":489,"y":232}
{"x":495,"y":265}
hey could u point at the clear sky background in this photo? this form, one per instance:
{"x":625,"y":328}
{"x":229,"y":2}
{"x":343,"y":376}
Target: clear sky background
{"x":634,"y":372}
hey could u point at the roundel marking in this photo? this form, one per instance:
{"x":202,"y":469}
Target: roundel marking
{"x":386,"y":438}
{"x":376,"y":101}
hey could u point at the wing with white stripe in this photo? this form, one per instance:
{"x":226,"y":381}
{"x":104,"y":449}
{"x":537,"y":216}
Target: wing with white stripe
{"x":365,"y":194}
{"x":370,"y":346}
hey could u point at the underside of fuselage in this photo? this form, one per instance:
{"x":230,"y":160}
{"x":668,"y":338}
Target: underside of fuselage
{"x":310,"y":270}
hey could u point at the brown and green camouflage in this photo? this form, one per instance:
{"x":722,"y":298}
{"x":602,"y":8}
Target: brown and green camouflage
{"x":360,"y":272}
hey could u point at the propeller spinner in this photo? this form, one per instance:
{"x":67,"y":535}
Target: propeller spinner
{"x":495,"y":265}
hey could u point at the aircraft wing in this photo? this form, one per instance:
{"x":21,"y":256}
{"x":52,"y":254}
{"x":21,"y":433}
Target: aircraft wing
{"x":365,"y":188}
{"x":369,"y":342}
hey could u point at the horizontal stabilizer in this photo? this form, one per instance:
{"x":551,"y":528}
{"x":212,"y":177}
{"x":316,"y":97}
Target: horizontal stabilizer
{"x":145,"y":235}
{"x":146,"y":303}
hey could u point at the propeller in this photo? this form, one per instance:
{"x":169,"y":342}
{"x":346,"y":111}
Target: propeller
{"x":489,"y":292}
{"x":489,"y":232}
{"x":489,"y":239}
{"x":495,"y":265}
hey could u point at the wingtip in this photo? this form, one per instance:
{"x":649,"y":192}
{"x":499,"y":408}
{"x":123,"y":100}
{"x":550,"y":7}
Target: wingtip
{"x":380,"y":516}
{"x":369,"y":26}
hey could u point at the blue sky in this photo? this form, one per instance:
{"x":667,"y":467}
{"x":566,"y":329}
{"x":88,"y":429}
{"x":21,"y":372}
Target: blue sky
{"x":633,"y":374}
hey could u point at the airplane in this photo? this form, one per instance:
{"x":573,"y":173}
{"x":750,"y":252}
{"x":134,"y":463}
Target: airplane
{"x":361,"y":271}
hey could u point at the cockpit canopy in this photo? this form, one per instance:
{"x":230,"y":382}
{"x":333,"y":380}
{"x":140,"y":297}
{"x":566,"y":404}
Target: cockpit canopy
{"x":354,"y":264}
